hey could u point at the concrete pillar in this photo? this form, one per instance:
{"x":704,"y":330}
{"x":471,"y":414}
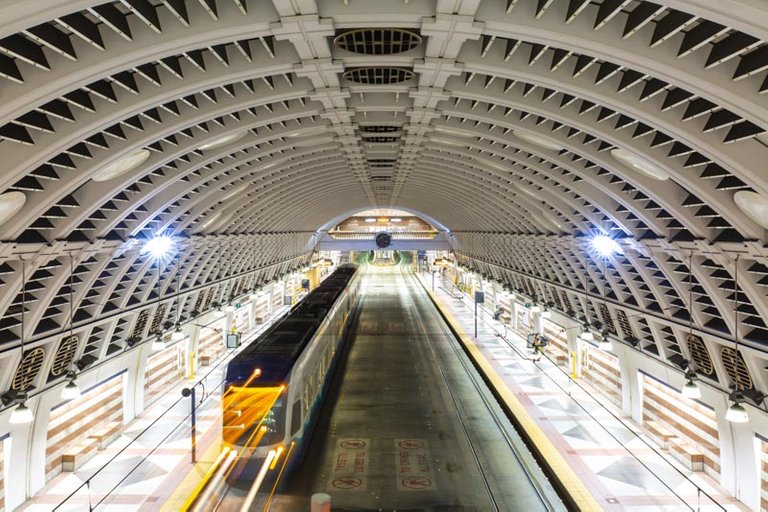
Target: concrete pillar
{"x":229,"y":322}
{"x":740,"y":462}
{"x":537,"y":322}
{"x":35,"y":437}
{"x":631,"y":383}
{"x":16,"y":482}
{"x":575,"y":356}
{"x":513,"y":303}
{"x":133,"y":384}
{"x":252,"y":307}
{"x":270,"y":299}
{"x":190,"y":350}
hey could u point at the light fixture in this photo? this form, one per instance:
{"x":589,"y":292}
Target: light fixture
{"x":11,"y":203}
{"x":21,"y":415}
{"x":453,"y":131}
{"x":737,"y":413}
{"x":223,"y":140}
{"x":71,"y":390}
{"x":605,"y":245}
{"x":535,"y":308}
{"x":691,"y":390}
{"x":586,"y":334}
{"x":159,"y":246}
{"x":177,"y":334}
{"x":753,"y":205}
{"x":121,"y":166}
{"x":158,"y":343}
{"x":312,"y":130}
{"x":229,"y":308}
{"x":370,"y":220}
{"x":604,"y":342}
{"x":255,"y":295}
{"x":547,"y":313}
{"x":537,"y":140}
{"x":637,"y":163}
{"x":395,"y":219}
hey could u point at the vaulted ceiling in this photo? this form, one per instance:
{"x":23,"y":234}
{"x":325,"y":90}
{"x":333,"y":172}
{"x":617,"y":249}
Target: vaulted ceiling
{"x":242,"y":127}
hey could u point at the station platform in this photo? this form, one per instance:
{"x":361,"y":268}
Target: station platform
{"x":612,"y":460}
{"x":149,"y":466}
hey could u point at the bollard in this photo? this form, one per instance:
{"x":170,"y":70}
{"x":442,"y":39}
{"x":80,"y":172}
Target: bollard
{"x":321,"y":502}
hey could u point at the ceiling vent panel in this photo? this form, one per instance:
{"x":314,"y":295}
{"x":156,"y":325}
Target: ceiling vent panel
{"x":377,"y":41}
{"x":383,"y":75}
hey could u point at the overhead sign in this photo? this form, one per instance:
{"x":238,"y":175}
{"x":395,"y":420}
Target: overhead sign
{"x":479,"y":297}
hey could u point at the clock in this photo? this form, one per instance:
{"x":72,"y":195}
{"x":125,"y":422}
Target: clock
{"x":383,"y":240}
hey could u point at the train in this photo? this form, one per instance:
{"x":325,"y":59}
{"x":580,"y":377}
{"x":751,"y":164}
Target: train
{"x":274,"y":388}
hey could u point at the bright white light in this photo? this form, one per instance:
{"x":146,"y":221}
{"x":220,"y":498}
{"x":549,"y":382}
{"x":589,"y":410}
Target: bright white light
{"x":224,"y":140}
{"x":121,"y":166}
{"x":395,"y":219}
{"x":370,"y":220}
{"x":547,"y":313}
{"x":10,"y":204}
{"x":605,"y":245}
{"x":177,"y":335}
{"x":158,"y":344}
{"x":737,"y":413}
{"x":229,"y":309}
{"x":70,"y":391}
{"x":537,"y":140}
{"x":754,"y":205}
{"x":639,"y":164}
{"x":586,"y":335}
{"x":159,"y":247}
{"x":535,"y":308}
{"x":257,"y":482}
{"x":21,"y":415}
{"x":605,"y":343}
{"x":691,"y":390}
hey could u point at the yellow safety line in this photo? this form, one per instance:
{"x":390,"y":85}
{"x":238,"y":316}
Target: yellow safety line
{"x":190,"y":484}
{"x":562,"y":471}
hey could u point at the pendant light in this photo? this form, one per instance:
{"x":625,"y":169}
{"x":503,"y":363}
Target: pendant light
{"x":71,"y":390}
{"x":736,"y":412}
{"x":22,"y":414}
{"x":691,"y":388}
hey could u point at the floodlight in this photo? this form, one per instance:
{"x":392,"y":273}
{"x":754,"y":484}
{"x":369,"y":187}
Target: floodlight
{"x":605,"y":245}
{"x":159,"y":246}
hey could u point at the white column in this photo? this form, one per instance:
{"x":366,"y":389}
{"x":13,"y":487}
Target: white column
{"x":513,"y":304}
{"x":16,"y":488}
{"x":575,"y":346}
{"x":133,"y":385}
{"x":190,"y":349}
{"x":631,"y":382}
{"x":33,"y":440}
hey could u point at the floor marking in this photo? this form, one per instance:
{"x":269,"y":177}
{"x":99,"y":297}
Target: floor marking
{"x":348,"y":483}
{"x":417,"y":483}
{"x":350,"y":465}
{"x":414,"y":465}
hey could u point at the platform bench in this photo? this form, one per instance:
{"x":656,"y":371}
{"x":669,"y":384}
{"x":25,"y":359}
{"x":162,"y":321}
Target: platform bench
{"x":686,"y":453}
{"x":106,"y":433}
{"x":205,"y":360}
{"x":659,"y":433}
{"x":75,"y":456}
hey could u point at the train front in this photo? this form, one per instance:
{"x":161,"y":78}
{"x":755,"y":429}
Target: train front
{"x":253,"y":405}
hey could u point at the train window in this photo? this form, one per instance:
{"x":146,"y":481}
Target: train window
{"x":296,"y":417}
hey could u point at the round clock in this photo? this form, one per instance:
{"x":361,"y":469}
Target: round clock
{"x":383,"y":240}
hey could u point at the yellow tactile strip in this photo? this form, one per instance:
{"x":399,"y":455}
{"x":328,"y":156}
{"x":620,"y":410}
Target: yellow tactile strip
{"x":557,"y":468}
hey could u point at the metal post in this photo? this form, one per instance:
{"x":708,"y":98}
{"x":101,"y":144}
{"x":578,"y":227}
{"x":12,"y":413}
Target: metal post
{"x":190,"y":392}
{"x":433,"y":280}
{"x":475,"y":320}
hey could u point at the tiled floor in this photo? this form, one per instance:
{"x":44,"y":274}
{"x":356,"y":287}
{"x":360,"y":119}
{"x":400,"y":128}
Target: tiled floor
{"x":147,"y":464}
{"x":611,"y":457}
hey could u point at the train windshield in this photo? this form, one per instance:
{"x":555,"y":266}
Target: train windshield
{"x":253,"y":416}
